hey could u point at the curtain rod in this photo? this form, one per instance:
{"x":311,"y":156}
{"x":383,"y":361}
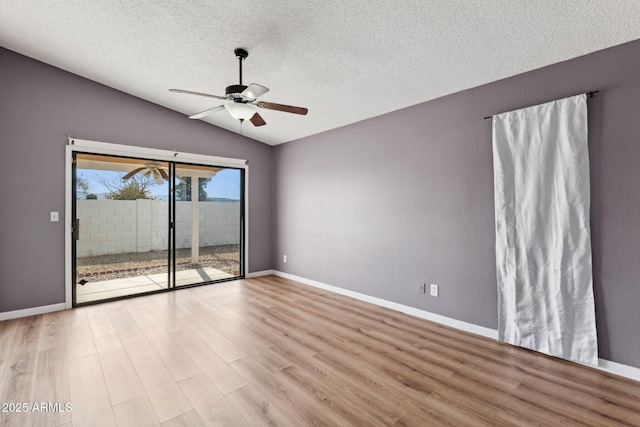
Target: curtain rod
{"x":589,"y":94}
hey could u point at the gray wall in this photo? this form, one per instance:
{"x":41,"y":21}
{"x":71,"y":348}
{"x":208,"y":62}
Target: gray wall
{"x":39,"y":106}
{"x":376,"y":207}
{"x":381,"y":205}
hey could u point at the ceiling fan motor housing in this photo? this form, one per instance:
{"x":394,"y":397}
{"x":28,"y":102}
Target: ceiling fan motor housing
{"x":235,"y":92}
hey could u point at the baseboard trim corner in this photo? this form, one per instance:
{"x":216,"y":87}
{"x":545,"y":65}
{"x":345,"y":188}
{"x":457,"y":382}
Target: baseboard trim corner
{"x":260,"y":273}
{"x":626,"y":371}
{"x":15,"y":314}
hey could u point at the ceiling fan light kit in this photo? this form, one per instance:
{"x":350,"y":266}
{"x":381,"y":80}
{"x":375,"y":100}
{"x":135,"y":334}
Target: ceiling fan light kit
{"x":242,"y":100}
{"x":240,"y":111}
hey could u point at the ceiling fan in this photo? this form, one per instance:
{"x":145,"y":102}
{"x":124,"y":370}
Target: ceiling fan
{"x":154,"y":169}
{"x":243,"y":99}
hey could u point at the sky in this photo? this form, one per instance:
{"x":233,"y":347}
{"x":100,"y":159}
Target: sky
{"x":224,"y":184}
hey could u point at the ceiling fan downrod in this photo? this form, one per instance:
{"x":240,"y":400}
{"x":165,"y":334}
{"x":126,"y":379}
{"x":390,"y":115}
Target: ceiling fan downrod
{"x":241,"y":54}
{"x":235,"y":90}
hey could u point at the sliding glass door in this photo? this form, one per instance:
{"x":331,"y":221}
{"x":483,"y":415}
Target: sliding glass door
{"x":208,"y":219}
{"x":144,"y":226}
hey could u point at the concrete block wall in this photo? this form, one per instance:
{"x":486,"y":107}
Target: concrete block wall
{"x":122,"y":226}
{"x":219,"y":223}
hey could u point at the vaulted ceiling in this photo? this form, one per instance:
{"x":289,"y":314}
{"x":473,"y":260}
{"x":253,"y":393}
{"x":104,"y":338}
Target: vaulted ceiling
{"x":345,"y":61}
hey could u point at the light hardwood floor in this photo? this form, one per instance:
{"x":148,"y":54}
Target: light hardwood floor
{"x":269,"y":351}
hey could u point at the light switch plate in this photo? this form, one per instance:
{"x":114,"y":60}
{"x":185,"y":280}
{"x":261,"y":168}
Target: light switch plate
{"x":55,"y":217}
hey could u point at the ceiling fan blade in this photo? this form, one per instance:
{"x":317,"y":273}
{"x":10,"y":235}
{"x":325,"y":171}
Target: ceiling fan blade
{"x":281,"y":107}
{"x":164,"y":174}
{"x":207,"y":112}
{"x":188,"y":92}
{"x":254,"y":90}
{"x":257,"y":120}
{"x":157,"y":177}
{"x":130,"y":174}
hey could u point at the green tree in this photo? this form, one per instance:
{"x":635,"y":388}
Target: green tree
{"x":136,"y":187}
{"x":183,"y":190}
{"x":82,"y":184}
{"x":131,"y":190}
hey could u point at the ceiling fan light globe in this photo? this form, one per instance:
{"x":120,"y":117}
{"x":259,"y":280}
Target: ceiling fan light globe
{"x":240,"y":111}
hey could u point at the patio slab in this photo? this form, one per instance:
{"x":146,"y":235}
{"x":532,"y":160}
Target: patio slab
{"x":95,"y":291}
{"x":189,"y":277}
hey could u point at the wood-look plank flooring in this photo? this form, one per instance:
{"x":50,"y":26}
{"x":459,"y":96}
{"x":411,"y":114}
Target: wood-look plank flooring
{"x":270,"y":351}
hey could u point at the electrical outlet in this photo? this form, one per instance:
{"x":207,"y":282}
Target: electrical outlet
{"x":284,"y":258}
{"x":434,"y":290}
{"x":423,"y":288}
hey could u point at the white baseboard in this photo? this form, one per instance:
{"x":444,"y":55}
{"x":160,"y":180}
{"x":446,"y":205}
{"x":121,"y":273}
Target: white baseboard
{"x":458,"y":324}
{"x":627,"y":371}
{"x":6,"y":315}
{"x":260,"y":273}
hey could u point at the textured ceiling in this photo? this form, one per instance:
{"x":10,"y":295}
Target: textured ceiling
{"x":344,"y":60}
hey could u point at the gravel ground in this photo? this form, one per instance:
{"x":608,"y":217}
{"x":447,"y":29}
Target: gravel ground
{"x":117,"y":266}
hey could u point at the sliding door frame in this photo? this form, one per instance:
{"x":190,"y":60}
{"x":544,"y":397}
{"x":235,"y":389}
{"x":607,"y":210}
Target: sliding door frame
{"x":96,"y":147}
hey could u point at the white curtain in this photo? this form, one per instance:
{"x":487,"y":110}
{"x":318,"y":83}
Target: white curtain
{"x":543,"y":240}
